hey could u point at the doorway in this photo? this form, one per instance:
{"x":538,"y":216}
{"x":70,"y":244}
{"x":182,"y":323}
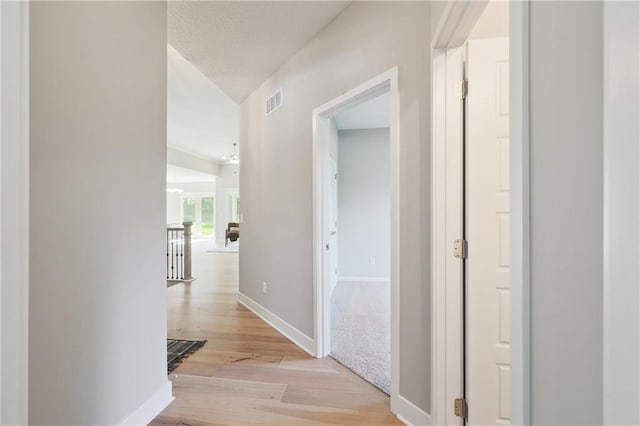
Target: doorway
{"x":479,"y":250}
{"x":359,"y":246}
{"x":355,"y":230}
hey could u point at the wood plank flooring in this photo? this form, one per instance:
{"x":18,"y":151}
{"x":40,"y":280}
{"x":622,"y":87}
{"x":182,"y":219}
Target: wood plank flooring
{"x":248,"y":373}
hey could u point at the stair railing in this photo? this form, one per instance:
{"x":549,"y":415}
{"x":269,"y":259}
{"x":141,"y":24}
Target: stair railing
{"x":179,"y":253}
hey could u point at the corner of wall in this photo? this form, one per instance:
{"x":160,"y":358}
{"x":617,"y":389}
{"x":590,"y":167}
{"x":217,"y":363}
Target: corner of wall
{"x":149,"y":410}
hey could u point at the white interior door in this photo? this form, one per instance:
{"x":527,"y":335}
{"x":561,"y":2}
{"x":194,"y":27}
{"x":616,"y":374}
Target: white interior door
{"x":328,"y":132}
{"x":333,"y":217}
{"x":487,"y":216}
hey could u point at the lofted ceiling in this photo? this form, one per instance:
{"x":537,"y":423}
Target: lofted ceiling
{"x":177,"y":174}
{"x":239,"y":44}
{"x":201,"y":118}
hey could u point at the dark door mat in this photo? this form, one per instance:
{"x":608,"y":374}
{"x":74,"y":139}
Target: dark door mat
{"x":177,"y":350}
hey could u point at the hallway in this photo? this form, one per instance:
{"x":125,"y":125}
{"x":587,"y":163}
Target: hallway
{"x":248,"y":373}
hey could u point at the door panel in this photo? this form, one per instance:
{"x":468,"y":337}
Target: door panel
{"x":487,"y":218}
{"x":328,"y":131}
{"x":333,"y":218}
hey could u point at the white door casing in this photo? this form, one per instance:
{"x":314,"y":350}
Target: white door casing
{"x":322,"y":260}
{"x":385,"y":82}
{"x":330,"y":237}
{"x":454,"y":27}
{"x":488,"y":233}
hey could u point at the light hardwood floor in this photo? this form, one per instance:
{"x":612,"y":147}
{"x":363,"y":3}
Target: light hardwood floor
{"x":248,"y":373}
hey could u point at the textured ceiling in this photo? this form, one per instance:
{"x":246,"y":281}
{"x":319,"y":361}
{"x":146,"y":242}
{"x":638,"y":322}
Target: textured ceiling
{"x":239,"y":44}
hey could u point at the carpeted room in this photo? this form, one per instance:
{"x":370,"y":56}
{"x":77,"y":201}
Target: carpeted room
{"x":360,"y":299}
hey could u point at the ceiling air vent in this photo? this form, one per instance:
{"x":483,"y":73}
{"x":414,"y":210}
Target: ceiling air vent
{"x":273,"y":102}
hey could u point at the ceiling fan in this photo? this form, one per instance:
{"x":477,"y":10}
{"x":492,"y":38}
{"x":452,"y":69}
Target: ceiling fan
{"x":233,"y":158}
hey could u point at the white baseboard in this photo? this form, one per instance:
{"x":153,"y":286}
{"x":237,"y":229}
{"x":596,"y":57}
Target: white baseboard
{"x":365,"y":279}
{"x":296,"y":336}
{"x":153,"y":406}
{"x":409,"y":413}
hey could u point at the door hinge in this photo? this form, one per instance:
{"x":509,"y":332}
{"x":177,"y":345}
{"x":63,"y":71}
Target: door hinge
{"x":460,"y":249}
{"x":462,"y":89}
{"x":460,"y":408}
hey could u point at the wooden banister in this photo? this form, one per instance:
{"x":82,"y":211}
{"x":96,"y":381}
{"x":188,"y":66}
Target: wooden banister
{"x":187,"y":250}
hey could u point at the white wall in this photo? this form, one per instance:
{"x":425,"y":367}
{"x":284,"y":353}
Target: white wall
{"x":189,"y":161}
{"x":621,"y":231}
{"x":228,"y":180}
{"x":202,"y":119}
{"x":566,"y":167}
{"x":365,"y":40}
{"x":174,"y":207}
{"x":364,"y":208}
{"x":97,"y":324}
{"x":193,"y":187}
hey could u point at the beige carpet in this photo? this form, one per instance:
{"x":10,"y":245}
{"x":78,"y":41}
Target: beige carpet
{"x":361,"y":330}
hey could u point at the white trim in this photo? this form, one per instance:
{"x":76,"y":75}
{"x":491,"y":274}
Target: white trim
{"x":303,"y":341}
{"x":438,"y":239}
{"x":365,"y":279}
{"x":520,"y":213}
{"x":14,"y":204}
{"x":198,"y":194}
{"x":1,"y":233}
{"x":182,"y":150}
{"x":385,"y":82}
{"x":193,"y":161}
{"x":447,"y":223}
{"x":412,"y":415}
{"x":150,"y":409}
{"x":458,"y":20}
{"x":447,"y":381}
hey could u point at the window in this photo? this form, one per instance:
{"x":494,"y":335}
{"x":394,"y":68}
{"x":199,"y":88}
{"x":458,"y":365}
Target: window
{"x":189,"y":209}
{"x":207,"y":222}
{"x":199,"y":209}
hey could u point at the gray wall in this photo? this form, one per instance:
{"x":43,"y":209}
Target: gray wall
{"x":365,"y":40}
{"x":363,"y":203}
{"x":98,"y":172}
{"x":566,"y":127}
{"x":621,"y":191}
{"x":14,"y":213}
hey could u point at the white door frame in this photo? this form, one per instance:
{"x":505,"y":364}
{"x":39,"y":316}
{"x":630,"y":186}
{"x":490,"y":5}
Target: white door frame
{"x":385,"y":82}
{"x":14,"y":212}
{"x":447,"y":191}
